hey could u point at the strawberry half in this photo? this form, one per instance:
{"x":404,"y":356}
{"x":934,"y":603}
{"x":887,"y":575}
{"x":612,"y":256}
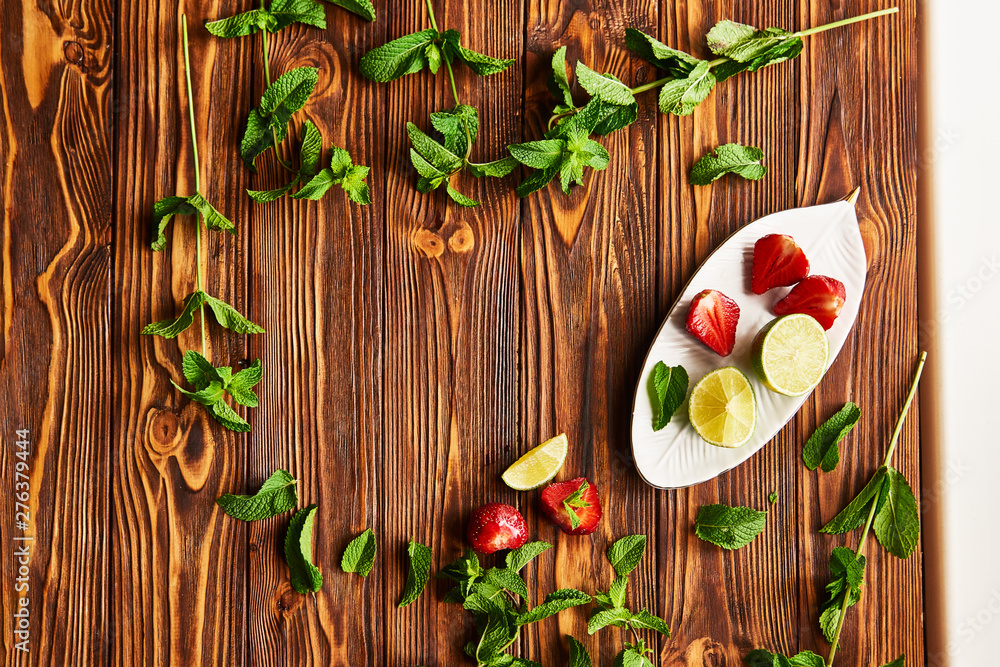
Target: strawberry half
{"x":819,"y":296}
{"x":712,"y":320}
{"x":777,"y":261}
{"x":496,"y":526}
{"x":573,"y":506}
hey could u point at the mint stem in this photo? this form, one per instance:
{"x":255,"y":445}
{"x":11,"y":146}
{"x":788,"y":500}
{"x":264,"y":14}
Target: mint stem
{"x":802,"y":33}
{"x":447,"y":63}
{"x":197,"y":173}
{"x":871,"y":513}
{"x":267,"y":80}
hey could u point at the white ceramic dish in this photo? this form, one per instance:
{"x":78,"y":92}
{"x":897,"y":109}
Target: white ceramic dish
{"x":676,"y":456}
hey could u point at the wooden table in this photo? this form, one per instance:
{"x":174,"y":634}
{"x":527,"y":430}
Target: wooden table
{"x":414,"y":348}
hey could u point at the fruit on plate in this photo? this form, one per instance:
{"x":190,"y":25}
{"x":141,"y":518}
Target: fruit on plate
{"x":538,"y":466}
{"x":723,"y":408}
{"x":778,"y":261}
{"x":790,"y":354}
{"x":819,"y":296}
{"x":573,"y":506}
{"x":496,"y":526}
{"x":712,"y":319}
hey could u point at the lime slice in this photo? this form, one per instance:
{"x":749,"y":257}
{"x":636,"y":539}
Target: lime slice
{"x":790,"y":354}
{"x":538,"y":466}
{"x":723,"y":408}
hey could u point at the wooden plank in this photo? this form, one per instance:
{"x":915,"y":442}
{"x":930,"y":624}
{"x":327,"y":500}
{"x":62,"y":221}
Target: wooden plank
{"x":316,"y":286}
{"x":450,"y":330}
{"x":588,"y":263}
{"x":55,"y":265}
{"x":177,"y":571}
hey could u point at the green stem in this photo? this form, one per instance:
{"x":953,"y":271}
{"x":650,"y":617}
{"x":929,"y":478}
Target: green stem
{"x":871,"y":513}
{"x":197,"y":173}
{"x":430,"y":15}
{"x":267,"y":80}
{"x":802,"y":33}
{"x":853,"y":19}
{"x":451,"y":77}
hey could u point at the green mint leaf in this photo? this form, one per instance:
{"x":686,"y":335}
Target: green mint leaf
{"x":570,"y":171}
{"x":362,"y":8}
{"x":616,"y":593}
{"x":605,"y":86}
{"x":355,"y":187}
{"x":231,"y":318}
{"x":631,"y":656}
{"x":479,"y":63}
{"x":573,"y":501}
{"x":397,"y":58}
{"x":305,"y":576}
{"x":257,"y":138}
{"x":554,"y":603}
{"x":614,"y":117}
{"x":536,"y":181}
{"x":425,"y":168}
{"x":847,"y":572}
{"x":240,"y":25}
{"x":265,"y":196}
{"x":288,"y":94}
{"x":226,"y":416}
{"x":507,"y":579}
{"x":465,"y":568}
{"x":594,"y":155}
{"x":743,"y":161}
{"x":316,"y":186}
{"x":163,"y":210}
{"x":173,"y":328}
{"x":681,"y":96}
{"x":898,"y":662}
{"x":433,"y":55}
{"x":602,"y":618}
{"x":241,"y":385}
{"x":518,"y":558}
{"x":542,"y":154}
{"x":439,"y":156}
{"x":208,"y":396}
{"x":340,"y":162}
{"x":359,"y":555}
{"x":761,"y":658}
{"x":558,"y":81}
{"x":677,"y":63}
{"x":857,"y":510}
{"x":459,"y":126}
{"x":287,"y":12}
{"x":626,"y":553}
{"x":276,"y":496}
{"x":578,"y":656}
{"x":646,"y":621}
{"x":821,"y":448}
{"x":897,"y":521}
{"x":461,"y":199}
{"x":772,"y":497}
{"x":497,"y":168}
{"x":199,"y":371}
{"x":499,"y":631}
{"x":603,"y":600}
{"x":667,"y":389}
{"x":310,"y":149}
{"x":420,"y":572}
{"x":213,"y":219}
{"x":726,"y":35}
{"x":729,"y":527}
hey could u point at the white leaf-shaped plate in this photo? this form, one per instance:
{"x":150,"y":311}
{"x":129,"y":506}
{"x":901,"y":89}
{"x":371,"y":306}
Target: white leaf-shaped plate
{"x":676,"y":456}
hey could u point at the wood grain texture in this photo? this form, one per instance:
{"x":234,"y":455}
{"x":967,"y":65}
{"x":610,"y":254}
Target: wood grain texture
{"x":55,"y":270}
{"x":415,"y":348}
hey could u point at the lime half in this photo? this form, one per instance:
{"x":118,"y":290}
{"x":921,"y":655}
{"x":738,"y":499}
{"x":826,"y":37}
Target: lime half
{"x":723,"y":408}
{"x":538,"y":466}
{"x":790,"y":354}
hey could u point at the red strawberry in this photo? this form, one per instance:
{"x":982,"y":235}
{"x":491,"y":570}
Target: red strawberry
{"x":818,"y":296}
{"x":496,"y":526}
{"x":777,"y":261}
{"x":573,"y":506}
{"x":712,"y":320}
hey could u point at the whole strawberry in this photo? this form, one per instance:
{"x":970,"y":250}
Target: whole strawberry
{"x":573,"y":506}
{"x":496,"y":526}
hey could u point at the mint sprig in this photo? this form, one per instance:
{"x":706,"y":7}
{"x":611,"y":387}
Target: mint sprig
{"x":821,"y":449}
{"x":419,"y":572}
{"x":359,"y":555}
{"x":212,"y":384}
{"x":276,"y":496}
{"x":761,"y":658}
{"x":729,"y":527}
{"x":305,"y":576}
